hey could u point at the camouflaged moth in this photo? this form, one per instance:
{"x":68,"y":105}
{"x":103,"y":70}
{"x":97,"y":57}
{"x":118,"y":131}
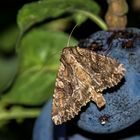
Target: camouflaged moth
{"x":82,"y":76}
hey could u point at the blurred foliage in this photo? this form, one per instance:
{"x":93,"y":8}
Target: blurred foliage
{"x":39,"y":11}
{"x":8,"y":69}
{"x":30,"y":52}
{"x":27,"y":77}
{"x":11,"y":33}
{"x":39,"y":54}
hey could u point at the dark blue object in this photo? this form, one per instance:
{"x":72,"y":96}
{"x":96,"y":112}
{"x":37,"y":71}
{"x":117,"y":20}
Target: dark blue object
{"x":123,"y":101}
{"x":120,"y":117}
{"x":44,"y":128}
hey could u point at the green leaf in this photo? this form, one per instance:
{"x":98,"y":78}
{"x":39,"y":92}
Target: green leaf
{"x":38,"y":11}
{"x":8,"y":70}
{"x":61,"y":24}
{"x":8,"y":38}
{"x":39,"y":55}
{"x":79,"y":18}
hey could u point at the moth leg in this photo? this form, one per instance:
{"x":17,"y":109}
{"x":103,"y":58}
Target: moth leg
{"x":98,"y":98}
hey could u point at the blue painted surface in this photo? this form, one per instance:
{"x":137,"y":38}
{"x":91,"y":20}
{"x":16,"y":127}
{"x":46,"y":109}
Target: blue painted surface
{"x":122,"y":107}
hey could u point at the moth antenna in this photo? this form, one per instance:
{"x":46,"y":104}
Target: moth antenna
{"x":68,"y":44}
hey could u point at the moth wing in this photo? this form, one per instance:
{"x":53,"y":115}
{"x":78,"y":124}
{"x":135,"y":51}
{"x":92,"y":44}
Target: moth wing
{"x":110,"y":74}
{"x":69,"y":95}
{"x":104,"y":71}
{"x":81,"y":76}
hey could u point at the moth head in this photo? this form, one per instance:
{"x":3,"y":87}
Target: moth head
{"x":67,"y":55}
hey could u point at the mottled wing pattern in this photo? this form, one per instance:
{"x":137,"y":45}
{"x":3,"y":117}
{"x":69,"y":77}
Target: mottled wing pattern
{"x":104,"y":71}
{"x":69,"y":94}
{"x":82,"y":76}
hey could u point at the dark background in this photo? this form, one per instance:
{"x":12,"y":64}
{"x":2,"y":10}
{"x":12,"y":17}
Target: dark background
{"x":8,"y":13}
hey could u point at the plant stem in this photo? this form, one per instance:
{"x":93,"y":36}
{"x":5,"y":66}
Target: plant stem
{"x":19,"y":114}
{"x":95,"y":18}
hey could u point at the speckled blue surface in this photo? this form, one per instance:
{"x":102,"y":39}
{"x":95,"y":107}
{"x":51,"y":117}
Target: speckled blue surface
{"x":44,"y":129}
{"x":122,"y":107}
{"x":123,"y":102}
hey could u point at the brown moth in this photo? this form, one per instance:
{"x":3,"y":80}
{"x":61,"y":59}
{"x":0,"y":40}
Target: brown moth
{"x":82,"y":76}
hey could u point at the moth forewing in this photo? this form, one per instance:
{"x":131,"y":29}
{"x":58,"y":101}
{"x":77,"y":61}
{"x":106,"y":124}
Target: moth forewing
{"x":82,"y":76}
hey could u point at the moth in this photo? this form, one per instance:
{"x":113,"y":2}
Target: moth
{"x":82,"y":76}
